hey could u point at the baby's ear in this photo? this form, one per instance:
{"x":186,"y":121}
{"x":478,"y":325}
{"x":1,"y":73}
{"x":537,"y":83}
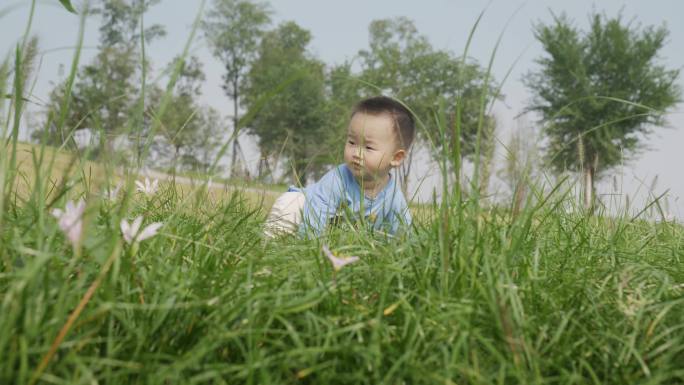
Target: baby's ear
{"x":398,"y":157}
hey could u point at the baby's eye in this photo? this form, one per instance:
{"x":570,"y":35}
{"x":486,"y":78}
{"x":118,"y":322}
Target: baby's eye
{"x":350,"y":142}
{"x":369,"y":148}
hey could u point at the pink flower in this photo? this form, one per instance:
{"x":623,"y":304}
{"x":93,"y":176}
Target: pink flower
{"x":70,"y":220}
{"x":338,"y":262}
{"x":132,"y":233}
{"x":148,"y":188}
{"x":111,"y":193}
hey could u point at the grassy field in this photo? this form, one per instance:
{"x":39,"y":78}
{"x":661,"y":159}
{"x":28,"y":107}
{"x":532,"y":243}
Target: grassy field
{"x":472,"y":294}
{"x":56,"y":167}
{"x":545,"y":297}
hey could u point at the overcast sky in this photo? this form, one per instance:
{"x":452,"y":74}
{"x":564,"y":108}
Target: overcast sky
{"x":339,"y":30}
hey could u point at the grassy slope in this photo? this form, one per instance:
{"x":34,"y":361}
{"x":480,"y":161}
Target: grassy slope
{"x":548,"y":297}
{"x":58,"y":166}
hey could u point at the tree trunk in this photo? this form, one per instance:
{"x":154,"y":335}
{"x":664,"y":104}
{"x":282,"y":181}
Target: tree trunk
{"x":589,"y":180}
{"x":264,"y":167}
{"x":236,"y":133}
{"x":260,"y":168}
{"x":233,"y":159}
{"x":269,"y":171}
{"x":588,"y":187}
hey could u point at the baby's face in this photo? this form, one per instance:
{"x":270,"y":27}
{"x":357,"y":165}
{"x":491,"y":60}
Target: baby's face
{"x":371,"y":149}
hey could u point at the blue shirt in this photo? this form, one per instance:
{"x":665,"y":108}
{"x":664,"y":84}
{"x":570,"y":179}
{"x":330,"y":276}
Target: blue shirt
{"x":339,"y":190}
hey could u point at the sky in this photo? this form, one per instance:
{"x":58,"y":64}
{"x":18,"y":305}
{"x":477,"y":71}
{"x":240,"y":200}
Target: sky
{"x":340,"y":30}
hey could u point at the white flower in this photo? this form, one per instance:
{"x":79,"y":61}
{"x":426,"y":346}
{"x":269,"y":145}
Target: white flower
{"x":111,"y":193}
{"x":132,"y":233}
{"x":338,"y":262}
{"x":70,"y":220}
{"x":148,"y":188}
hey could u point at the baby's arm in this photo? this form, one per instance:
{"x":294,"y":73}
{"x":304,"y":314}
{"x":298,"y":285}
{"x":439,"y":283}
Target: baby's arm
{"x":322,"y":201}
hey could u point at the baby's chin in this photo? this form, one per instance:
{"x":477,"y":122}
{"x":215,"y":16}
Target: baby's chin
{"x":360,"y":174}
{"x":355,"y":168}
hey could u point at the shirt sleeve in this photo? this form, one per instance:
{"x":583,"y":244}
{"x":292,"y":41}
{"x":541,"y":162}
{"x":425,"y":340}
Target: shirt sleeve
{"x":322,"y":201}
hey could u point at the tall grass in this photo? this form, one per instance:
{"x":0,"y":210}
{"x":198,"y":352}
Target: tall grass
{"x":471,"y":295}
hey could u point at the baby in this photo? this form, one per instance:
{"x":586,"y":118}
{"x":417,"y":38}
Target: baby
{"x":380,"y":133}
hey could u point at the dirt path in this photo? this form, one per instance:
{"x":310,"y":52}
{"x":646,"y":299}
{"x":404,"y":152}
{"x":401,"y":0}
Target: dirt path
{"x":152,"y":174}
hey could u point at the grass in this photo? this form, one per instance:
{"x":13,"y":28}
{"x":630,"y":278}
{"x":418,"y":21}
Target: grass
{"x":471,"y":294}
{"x":59,"y":166}
{"x":551,"y":298}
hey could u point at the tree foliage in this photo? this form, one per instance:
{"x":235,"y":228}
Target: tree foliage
{"x":285,"y":97}
{"x":233,"y":29}
{"x":343,"y":89}
{"x":402,"y":63}
{"x":599,"y":92}
{"x":107,"y":89}
{"x":189,"y":132}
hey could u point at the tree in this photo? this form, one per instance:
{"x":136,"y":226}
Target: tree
{"x":401,"y":63}
{"x":520,"y":162}
{"x":341,"y":92}
{"x":285,"y":97}
{"x":233,"y":29}
{"x":202,"y":154}
{"x":188,"y":130}
{"x":599,"y":92}
{"x":105,"y":93}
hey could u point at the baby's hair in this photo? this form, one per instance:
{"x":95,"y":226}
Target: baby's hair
{"x":404,"y":124}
